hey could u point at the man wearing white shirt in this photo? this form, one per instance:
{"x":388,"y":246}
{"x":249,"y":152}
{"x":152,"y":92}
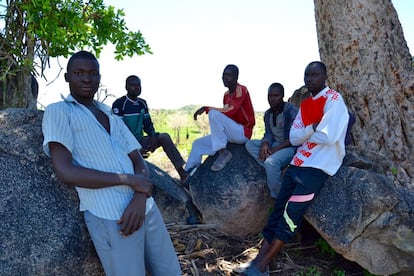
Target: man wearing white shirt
{"x":319,"y":130}
{"x":95,"y":152}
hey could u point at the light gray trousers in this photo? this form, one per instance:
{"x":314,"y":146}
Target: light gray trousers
{"x":148,"y":249}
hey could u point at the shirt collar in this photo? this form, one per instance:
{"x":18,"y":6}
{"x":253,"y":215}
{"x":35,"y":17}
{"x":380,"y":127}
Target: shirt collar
{"x":320,"y":93}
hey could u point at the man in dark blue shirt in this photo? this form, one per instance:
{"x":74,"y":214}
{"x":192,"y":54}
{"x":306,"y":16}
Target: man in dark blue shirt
{"x":134,"y":111}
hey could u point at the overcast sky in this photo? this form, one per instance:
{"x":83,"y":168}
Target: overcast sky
{"x":193,"y":40}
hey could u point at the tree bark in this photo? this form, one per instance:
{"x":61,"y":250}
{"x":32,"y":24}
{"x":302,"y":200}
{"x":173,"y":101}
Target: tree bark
{"x":363,"y":46}
{"x":19,"y":87}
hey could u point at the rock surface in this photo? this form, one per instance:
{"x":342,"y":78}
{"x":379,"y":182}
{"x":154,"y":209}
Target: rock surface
{"x":43,"y":232}
{"x":235,"y":199}
{"x":364,"y":217}
{"x":360,"y":212}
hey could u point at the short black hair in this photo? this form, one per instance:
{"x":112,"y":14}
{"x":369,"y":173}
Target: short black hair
{"x":132,"y":77}
{"x":276,"y":85}
{"x":320,"y":64}
{"x":79,"y":55}
{"x":233,"y":68}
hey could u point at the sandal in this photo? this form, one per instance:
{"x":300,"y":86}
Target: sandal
{"x":221,"y":161}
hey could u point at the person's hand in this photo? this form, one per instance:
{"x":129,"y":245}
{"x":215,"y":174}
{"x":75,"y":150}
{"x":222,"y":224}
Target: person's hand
{"x":141,"y":184}
{"x":199,"y":112}
{"x":134,"y":215}
{"x":264,"y":151}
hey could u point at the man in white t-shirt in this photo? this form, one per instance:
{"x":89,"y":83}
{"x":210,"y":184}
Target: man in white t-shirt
{"x":319,"y":130}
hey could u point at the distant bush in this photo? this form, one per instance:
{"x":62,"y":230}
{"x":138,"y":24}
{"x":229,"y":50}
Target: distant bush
{"x":182,"y":128}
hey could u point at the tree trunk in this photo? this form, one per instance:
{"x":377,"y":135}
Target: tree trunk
{"x":19,"y":91}
{"x":28,"y":91}
{"x":18,"y":87}
{"x":363,"y":46}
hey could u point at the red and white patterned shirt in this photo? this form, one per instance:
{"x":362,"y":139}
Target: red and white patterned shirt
{"x":323,"y":148}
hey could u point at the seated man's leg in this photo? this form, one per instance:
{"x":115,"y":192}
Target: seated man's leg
{"x":145,"y":143}
{"x":160,"y":255}
{"x":200,"y":147}
{"x":223,"y":130}
{"x":253,"y":148}
{"x":274,"y":166}
{"x":119,"y":255}
{"x":308,"y":183}
{"x":164,"y":140}
{"x":272,"y":241}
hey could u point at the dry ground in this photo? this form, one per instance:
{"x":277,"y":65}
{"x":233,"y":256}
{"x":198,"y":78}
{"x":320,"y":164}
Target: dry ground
{"x":203,"y":251}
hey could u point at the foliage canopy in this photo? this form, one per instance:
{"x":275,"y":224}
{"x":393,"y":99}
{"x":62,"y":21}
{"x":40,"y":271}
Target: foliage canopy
{"x":36,"y":30}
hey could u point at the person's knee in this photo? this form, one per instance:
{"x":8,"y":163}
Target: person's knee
{"x":249,"y":145}
{"x":164,"y":138}
{"x":197,"y":143}
{"x":273,"y":163}
{"x":214,"y":115}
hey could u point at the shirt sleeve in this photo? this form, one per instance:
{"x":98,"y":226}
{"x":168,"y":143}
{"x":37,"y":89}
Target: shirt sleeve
{"x":147,"y":123}
{"x":298,"y":132}
{"x":268,"y":135}
{"x":117,"y":107}
{"x":56,"y":126}
{"x":334,"y":121}
{"x":233,"y":107}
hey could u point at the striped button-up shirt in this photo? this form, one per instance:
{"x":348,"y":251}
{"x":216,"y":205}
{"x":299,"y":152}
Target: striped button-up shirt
{"x":76,"y":128}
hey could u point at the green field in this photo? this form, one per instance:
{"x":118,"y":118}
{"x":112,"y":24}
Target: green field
{"x":182,"y":128}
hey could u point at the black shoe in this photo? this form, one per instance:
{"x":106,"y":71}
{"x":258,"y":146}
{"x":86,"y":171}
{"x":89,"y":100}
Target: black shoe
{"x":187,"y":179}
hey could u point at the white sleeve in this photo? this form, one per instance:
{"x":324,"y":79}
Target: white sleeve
{"x":334,"y":122}
{"x":56,"y":126}
{"x":298,"y":132}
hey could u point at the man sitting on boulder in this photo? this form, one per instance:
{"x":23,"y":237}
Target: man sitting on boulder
{"x":274,"y":151}
{"x":233,"y":123}
{"x":319,"y":130}
{"x":135,"y":113}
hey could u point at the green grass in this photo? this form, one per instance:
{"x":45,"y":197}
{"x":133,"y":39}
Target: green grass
{"x":182,"y":128}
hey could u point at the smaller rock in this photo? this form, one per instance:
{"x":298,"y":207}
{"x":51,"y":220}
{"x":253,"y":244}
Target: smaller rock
{"x":235,"y":199}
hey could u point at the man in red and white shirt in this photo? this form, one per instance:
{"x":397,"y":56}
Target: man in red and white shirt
{"x":233,"y":123}
{"x":319,"y":130}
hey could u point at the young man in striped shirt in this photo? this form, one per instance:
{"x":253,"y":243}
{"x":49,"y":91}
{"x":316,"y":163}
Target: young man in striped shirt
{"x":95,"y":152}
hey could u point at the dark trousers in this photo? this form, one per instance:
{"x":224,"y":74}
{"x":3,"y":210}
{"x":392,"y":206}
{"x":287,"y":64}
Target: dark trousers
{"x":300,"y":187}
{"x":151,"y":143}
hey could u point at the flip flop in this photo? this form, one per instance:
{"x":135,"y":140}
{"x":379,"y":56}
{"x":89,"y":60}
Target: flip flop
{"x":221,"y":161}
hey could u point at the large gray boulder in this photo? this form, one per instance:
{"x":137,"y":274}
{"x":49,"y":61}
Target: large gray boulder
{"x":236,"y":199}
{"x":364,"y":217}
{"x":43,"y":232}
{"x":359,"y":212}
